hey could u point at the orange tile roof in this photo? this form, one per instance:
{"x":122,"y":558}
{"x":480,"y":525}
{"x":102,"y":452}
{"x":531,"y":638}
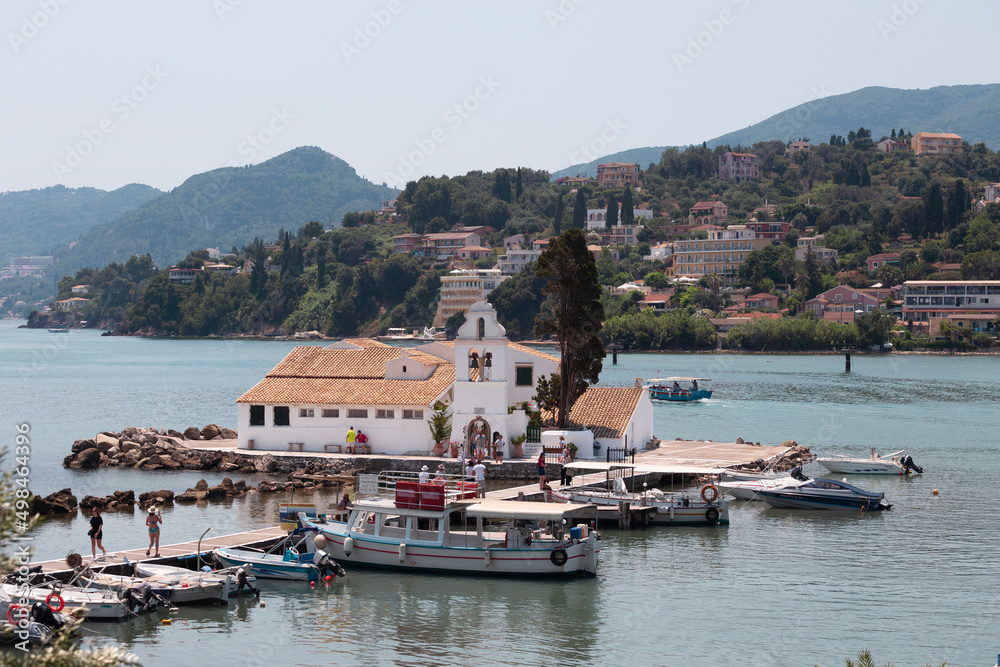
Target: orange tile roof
{"x":606,"y":410}
{"x":351,"y":391}
{"x":527,"y":350}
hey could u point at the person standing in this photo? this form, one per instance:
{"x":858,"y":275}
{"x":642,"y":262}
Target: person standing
{"x":351,"y":437}
{"x":565,"y":476}
{"x":425,"y":475}
{"x":470,"y":474}
{"x":153,"y":521}
{"x":479,"y":470}
{"x":96,"y":533}
{"x":542,"y":482}
{"x":480,"y":446}
{"x":498,"y":449}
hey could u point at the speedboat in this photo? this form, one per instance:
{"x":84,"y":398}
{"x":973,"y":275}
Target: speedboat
{"x":749,"y":489}
{"x":671,"y":508}
{"x":890,"y":464}
{"x":823,"y":494}
{"x":403,"y":524}
{"x":679,"y":389}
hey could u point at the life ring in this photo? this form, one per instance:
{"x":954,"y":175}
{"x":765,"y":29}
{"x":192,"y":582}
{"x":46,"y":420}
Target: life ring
{"x":558,"y":557}
{"x":712,"y":515}
{"x":709,"y":490}
{"x":11,"y":615}
{"x":58,"y":597}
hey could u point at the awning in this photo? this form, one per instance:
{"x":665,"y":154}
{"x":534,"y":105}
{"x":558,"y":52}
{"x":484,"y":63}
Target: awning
{"x":646,"y":468}
{"x":515,"y":509}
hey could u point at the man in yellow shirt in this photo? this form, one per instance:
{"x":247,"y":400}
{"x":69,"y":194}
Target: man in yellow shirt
{"x":351,"y":437}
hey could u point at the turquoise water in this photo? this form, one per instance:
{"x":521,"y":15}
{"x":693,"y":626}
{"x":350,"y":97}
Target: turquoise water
{"x":777,"y":587}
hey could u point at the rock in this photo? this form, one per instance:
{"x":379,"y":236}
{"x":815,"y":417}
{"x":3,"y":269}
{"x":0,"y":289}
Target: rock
{"x":193,"y":464}
{"x":125,"y":497}
{"x":128,"y":446}
{"x":215,"y":492}
{"x":92,"y":501}
{"x":739,"y":441}
{"x":149,"y":463}
{"x":168,"y":462}
{"x":188,"y":496}
{"x":209,"y":432}
{"x":80,"y":445}
{"x":176,"y":434}
{"x":267,"y":486}
{"x":105,"y":441}
{"x":60,"y":502}
{"x":89,"y":458}
{"x":229,"y":434}
{"x":239,"y":487}
{"x":129,"y":458}
{"x":266,"y":463}
{"x":192,"y":433}
{"x":202,"y":485}
{"x":789,"y":443}
{"x":227,"y":484}
{"x":147,"y":451}
{"x":113,"y":452}
{"x":161,"y":497}
{"x":226,"y":466}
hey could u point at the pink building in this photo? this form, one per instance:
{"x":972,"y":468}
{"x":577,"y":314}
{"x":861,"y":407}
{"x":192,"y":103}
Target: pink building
{"x":774,"y":231}
{"x":708,"y":213}
{"x":882,"y":259}
{"x":739,"y":167}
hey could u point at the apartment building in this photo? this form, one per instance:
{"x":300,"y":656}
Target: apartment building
{"x":933,"y":143}
{"x":739,"y":167}
{"x":722,"y":253}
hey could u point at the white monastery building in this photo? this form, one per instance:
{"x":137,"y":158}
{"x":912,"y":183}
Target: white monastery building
{"x":310,"y":400}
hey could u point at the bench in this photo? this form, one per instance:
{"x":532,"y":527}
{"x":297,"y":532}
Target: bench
{"x":338,"y":449}
{"x":357,"y":448}
{"x":250,"y":443}
{"x":293,"y":446}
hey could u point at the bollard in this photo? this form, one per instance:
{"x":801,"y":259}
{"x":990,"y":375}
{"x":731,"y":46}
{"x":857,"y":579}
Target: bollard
{"x":847,"y":361}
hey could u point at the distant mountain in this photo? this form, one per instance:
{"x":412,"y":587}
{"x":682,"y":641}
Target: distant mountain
{"x":229,"y":207}
{"x":35,"y":222}
{"x":642,"y":156}
{"x":970,"y":111}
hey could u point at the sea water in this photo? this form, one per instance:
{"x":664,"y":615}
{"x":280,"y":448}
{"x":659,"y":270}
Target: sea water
{"x":915,"y":585}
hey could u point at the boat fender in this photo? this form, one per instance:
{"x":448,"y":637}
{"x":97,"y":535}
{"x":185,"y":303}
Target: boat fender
{"x":402,"y":552}
{"x":712,"y":515}
{"x":558,"y":557}
{"x":58,"y":599}
{"x":13,"y":615}
{"x":487,"y":558}
{"x":709,"y":493}
{"x":348,"y":546}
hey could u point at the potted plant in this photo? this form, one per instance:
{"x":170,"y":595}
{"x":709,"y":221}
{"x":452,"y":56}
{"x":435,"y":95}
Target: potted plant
{"x":571,"y":448}
{"x":453,"y":446}
{"x":516,"y":446}
{"x":440,"y":428}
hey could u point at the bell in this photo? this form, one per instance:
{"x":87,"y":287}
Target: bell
{"x":474,"y":361}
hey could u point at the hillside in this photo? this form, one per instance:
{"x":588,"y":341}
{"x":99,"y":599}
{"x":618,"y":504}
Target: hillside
{"x":35,"y":222}
{"x":971,"y":111}
{"x":230,"y":207}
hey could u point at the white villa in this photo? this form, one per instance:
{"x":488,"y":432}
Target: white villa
{"x":310,"y":400}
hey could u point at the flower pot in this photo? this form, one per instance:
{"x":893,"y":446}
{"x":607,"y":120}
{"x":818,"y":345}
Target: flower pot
{"x":438,"y":449}
{"x":517,"y":451}
{"x":454,"y":452}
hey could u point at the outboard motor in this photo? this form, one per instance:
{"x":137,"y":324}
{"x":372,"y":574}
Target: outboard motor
{"x":139,"y":599}
{"x":328,"y":566}
{"x":242,"y":580}
{"x":796,"y":473}
{"x":42,"y":613}
{"x":907,"y":462}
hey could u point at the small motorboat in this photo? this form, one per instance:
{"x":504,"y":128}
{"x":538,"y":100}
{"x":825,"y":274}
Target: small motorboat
{"x":143,"y":594}
{"x":232,"y":581}
{"x":679,"y":389}
{"x":671,"y":508}
{"x":823,"y":494}
{"x":290,"y":564}
{"x":96,"y":605}
{"x":890,"y":464}
{"x":749,"y":489}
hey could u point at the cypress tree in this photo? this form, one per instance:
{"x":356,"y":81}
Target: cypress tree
{"x":580,"y":210}
{"x":519,"y":187}
{"x":866,"y":178}
{"x":611,"y":216}
{"x":557,"y":220}
{"x":628,"y":215}
{"x":934,"y":210}
{"x":893,"y":135}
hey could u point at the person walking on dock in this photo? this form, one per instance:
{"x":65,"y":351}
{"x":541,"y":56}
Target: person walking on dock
{"x":96,"y":533}
{"x":479,"y":470}
{"x":153,"y":520}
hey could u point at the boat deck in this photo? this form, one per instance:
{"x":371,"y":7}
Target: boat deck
{"x":169,"y":552}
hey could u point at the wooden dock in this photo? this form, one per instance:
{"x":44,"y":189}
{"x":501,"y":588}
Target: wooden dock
{"x":170,"y":552}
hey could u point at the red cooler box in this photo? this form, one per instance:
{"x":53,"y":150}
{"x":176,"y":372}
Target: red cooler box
{"x":407,"y":494}
{"x":432,"y":496}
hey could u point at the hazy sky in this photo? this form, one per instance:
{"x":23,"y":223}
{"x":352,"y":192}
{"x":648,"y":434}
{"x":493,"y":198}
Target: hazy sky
{"x":119,"y":91}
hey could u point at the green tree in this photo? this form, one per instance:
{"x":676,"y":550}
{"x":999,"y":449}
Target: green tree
{"x":656,"y":280}
{"x":518,"y":186}
{"x":580,"y":210}
{"x":501,"y":185}
{"x":557,"y":218}
{"x":574,"y":316}
{"x":934,"y":210}
{"x":958,"y":204}
{"x":628,"y":214}
{"x":611,"y":216}
{"x":873,"y":327}
{"x":547,"y":393}
{"x":311,"y":229}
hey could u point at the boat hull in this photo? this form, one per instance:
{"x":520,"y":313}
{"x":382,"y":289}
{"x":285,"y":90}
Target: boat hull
{"x":98,"y":605}
{"x":795,"y":500}
{"x":265,"y":566}
{"x":667,"y":513}
{"x":577,"y":558}
{"x":862,"y":466}
{"x":678,"y":396}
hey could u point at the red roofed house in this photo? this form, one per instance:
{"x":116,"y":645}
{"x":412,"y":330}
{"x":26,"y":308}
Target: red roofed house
{"x":840,"y":303}
{"x":762,"y":300}
{"x":618,"y":174}
{"x":882,"y":259}
{"x":708,"y":213}
{"x":739,"y":167}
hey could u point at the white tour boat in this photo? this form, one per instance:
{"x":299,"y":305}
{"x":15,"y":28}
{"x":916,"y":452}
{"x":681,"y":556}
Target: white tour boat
{"x":890,"y":464}
{"x":441,"y":526}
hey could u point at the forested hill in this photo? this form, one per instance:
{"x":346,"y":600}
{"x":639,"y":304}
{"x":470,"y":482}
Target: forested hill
{"x":230,"y":207}
{"x":35,"y":222}
{"x":971,"y":111}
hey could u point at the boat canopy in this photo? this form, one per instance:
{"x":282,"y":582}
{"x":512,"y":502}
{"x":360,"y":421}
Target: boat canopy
{"x":514,"y":509}
{"x":642,"y":468}
{"x":680,"y":379}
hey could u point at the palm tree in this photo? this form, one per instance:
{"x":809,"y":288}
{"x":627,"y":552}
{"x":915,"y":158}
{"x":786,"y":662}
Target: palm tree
{"x":865,"y":659}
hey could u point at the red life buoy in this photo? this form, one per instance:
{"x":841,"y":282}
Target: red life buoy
{"x":58,"y":597}
{"x":709,"y":493}
{"x":11,"y":615}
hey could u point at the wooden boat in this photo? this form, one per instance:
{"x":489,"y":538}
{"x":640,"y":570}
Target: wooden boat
{"x":679,"y":389}
{"x":890,"y":464}
{"x":171,"y":590}
{"x":403,"y":524}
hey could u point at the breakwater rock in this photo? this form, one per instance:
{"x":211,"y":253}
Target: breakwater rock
{"x":151,"y":449}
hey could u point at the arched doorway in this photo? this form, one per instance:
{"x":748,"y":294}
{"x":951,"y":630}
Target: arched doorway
{"x":476,"y":428}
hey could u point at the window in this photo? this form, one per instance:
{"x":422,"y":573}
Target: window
{"x":281,"y":415}
{"x":385,"y":414}
{"x":357,"y":414}
{"x":256,"y":415}
{"x":523,"y":376}
{"x":413,"y":414}
{"x":307,"y":412}
{"x":331,"y":413}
